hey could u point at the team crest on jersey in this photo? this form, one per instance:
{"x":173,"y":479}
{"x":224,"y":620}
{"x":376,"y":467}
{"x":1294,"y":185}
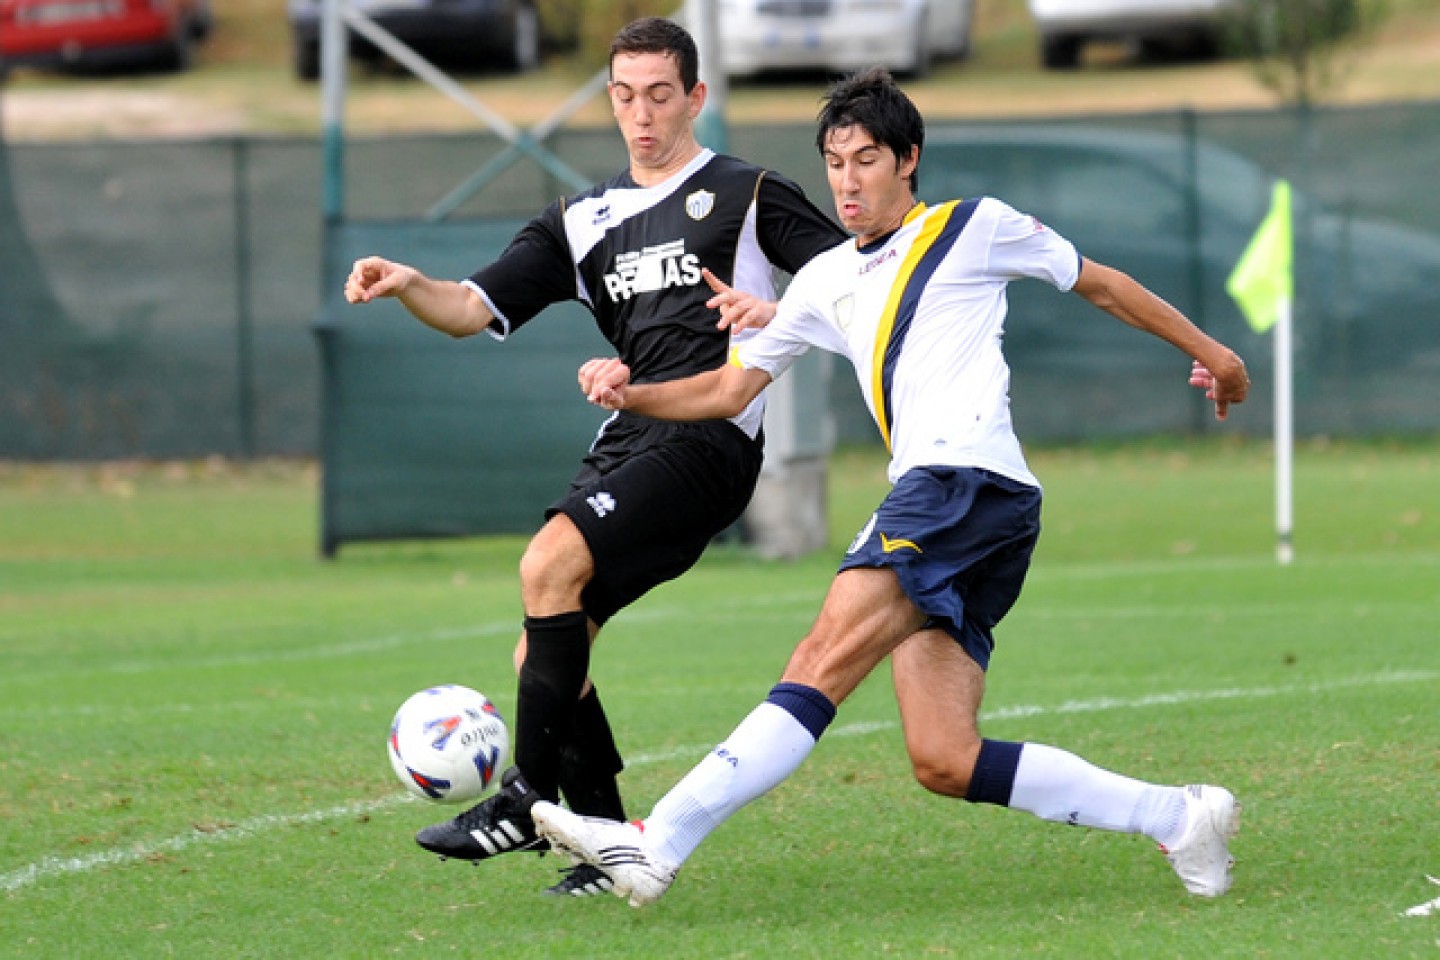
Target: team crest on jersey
{"x":844,"y":312}
{"x":699,"y":204}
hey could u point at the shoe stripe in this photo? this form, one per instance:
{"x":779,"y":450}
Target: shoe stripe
{"x":621,"y":855}
{"x":593,"y":888}
{"x":503,"y":836}
{"x":484,"y":840}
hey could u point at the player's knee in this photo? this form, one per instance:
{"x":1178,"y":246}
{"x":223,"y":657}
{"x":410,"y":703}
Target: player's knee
{"x":945,"y":779}
{"x":536,"y":566}
{"x":551,"y":579}
{"x":943,"y":767}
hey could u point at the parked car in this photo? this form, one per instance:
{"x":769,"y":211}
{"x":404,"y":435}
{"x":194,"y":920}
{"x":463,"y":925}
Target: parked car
{"x":1065,"y":26}
{"x":464,"y":34}
{"x":102,"y":34}
{"x":838,"y":35}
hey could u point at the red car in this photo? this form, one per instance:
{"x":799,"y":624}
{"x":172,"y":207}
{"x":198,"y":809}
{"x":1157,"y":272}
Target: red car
{"x":101,"y":34}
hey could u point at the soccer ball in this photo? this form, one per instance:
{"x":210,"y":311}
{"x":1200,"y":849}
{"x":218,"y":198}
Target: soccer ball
{"x":448,"y":744}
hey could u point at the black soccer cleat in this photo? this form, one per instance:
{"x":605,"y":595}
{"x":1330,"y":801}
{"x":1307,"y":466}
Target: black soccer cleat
{"x":581,"y":880}
{"x":495,"y":825}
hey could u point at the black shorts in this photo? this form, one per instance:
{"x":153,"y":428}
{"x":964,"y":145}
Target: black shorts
{"x":650,"y":497}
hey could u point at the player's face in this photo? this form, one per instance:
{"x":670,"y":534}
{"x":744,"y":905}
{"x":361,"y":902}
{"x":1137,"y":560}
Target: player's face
{"x":871,"y":190}
{"x":655,"y":114}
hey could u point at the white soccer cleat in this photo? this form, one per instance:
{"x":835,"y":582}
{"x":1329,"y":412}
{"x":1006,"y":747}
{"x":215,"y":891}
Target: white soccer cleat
{"x":618,"y":849}
{"x":1202,"y":857}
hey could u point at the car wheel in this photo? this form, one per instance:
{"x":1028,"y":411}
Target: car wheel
{"x":179,"y":54}
{"x":524,"y":51}
{"x":307,"y":59}
{"x":967,"y":26}
{"x":1060,"y":51}
{"x":202,"y":21}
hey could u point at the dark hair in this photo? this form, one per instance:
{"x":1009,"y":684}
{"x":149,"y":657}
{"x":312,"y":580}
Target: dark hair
{"x":870,"y":100}
{"x":658,"y":35}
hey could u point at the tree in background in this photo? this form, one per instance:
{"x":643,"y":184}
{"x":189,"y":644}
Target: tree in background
{"x":590,"y":25}
{"x":559,"y":23}
{"x":600,"y":20}
{"x":1298,"y":46}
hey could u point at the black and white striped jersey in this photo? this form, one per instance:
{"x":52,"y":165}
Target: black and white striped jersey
{"x":633,"y":256}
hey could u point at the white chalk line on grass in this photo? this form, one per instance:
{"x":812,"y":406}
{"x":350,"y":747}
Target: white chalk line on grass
{"x":386,"y":643}
{"x":50,"y":867}
{"x":53,"y":867}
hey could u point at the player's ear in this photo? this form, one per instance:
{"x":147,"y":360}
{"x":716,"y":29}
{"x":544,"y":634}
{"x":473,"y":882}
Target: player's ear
{"x":697,"y":96}
{"x":906,"y":165}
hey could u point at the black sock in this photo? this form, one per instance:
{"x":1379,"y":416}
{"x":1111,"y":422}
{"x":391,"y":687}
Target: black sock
{"x":557,"y":658}
{"x":590,"y":762}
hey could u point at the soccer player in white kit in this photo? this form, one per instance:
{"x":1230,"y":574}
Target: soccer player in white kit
{"x":916,"y":301}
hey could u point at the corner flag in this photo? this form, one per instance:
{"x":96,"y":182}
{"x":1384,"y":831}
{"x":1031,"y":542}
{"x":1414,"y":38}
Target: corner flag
{"x":1263,"y":279}
{"x":1263,"y":285}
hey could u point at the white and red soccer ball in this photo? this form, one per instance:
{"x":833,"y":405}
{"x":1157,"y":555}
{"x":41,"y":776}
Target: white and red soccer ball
{"x":448,"y":744}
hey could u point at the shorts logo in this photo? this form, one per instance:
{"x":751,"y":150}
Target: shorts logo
{"x":699,"y":204}
{"x":602,"y":503}
{"x":890,"y":546}
{"x":863,"y":535}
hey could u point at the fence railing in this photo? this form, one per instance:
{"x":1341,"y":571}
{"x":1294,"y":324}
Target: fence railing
{"x":157,"y":299}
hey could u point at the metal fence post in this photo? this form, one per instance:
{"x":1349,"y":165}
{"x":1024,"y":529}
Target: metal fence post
{"x":244,"y":308}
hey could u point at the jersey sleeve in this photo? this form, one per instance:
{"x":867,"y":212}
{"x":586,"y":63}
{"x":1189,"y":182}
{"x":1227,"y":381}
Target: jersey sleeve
{"x":791,"y":229}
{"x":533,"y":272}
{"x":796,"y":327}
{"x":1022,"y":246}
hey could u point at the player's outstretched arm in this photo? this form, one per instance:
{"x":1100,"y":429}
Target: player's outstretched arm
{"x":1224,"y":377}
{"x":447,"y":306}
{"x":712,"y":395}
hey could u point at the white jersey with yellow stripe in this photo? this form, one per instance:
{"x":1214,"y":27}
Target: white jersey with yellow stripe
{"x":920,"y":315}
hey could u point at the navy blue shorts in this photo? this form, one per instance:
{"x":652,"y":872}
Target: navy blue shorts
{"x":960,"y":540}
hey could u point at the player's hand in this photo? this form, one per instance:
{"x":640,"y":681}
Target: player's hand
{"x":738,"y":310}
{"x":603,"y":381}
{"x":373,"y":277}
{"x":1230,"y":385}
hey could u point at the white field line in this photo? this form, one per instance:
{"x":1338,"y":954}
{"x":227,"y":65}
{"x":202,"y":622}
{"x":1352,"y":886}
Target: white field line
{"x":49,"y":868}
{"x":383,"y":644}
{"x":787,"y":606}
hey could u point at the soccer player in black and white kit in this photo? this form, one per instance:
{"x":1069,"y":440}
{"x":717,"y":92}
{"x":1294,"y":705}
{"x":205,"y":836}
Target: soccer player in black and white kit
{"x":650,"y":494}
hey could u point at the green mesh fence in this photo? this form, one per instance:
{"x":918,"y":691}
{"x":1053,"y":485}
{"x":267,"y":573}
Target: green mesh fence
{"x":158,"y":299}
{"x":426,"y":436}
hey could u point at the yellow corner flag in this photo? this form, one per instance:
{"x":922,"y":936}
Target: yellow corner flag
{"x":1263,"y":278}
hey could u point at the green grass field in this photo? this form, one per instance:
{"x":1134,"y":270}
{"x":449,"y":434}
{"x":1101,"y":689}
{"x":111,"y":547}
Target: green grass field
{"x":193,"y":711}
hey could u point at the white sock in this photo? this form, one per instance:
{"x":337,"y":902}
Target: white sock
{"x":1059,"y":786}
{"x":766,"y":748}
